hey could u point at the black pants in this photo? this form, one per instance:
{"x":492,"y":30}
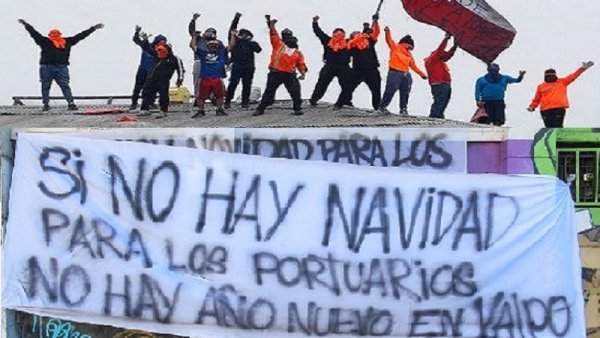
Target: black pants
{"x":244,"y":73}
{"x":140,"y":80}
{"x":357,"y":76}
{"x":441,"y":93}
{"x":495,"y":110}
{"x":553,"y":118}
{"x":276,"y":79}
{"x":152,"y":87}
{"x":326,"y":75}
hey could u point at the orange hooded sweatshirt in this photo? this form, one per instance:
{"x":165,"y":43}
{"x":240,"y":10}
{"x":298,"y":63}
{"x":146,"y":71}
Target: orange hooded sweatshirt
{"x":401,"y":58}
{"x":281,"y":61}
{"x":550,"y":95}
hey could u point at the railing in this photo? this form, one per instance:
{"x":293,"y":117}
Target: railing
{"x":18,"y":100}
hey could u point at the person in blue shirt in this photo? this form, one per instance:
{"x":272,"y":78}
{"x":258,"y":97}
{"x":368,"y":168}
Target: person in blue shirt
{"x":490,"y":90}
{"x":213,"y":60}
{"x":147,"y":62}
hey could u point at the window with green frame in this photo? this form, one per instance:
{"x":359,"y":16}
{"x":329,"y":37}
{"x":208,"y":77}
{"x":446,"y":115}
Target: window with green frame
{"x":580,"y":168}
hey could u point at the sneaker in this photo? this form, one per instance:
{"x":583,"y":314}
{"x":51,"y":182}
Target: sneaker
{"x":298,"y":112}
{"x":144,"y":113}
{"x":336,"y":107}
{"x":153,"y":106}
{"x":404,"y":111}
{"x":258,"y":112}
{"x":384,"y":111}
{"x":221,"y":112}
{"x":245,"y":106}
{"x":72,"y":106}
{"x":227,"y":106}
{"x":133,"y":106}
{"x":161,"y":115}
{"x":312,"y":103}
{"x":46,"y":107}
{"x":197,"y":114}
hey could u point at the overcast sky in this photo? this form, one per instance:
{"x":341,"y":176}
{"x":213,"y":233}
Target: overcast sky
{"x":550,"y":33}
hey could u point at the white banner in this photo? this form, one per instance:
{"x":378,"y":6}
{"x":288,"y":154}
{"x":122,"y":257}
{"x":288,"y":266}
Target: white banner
{"x":211,"y":244}
{"x":427,"y":148}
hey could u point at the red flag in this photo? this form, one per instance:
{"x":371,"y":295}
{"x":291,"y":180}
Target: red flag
{"x":476,"y":26}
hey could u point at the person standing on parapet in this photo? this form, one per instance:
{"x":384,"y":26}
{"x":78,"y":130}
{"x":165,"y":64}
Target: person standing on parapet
{"x":147,"y":61}
{"x":199,"y":40}
{"x":336,"y":58}
{"x":439,"y":77}
{"x":242,"y":62}
{"x":365,"y":66}
{"x":54,"y":60}
{"x":399,"y":78}
{"x":285,"y":60}
{"x":551,"y":96}
{"x":490,"y":90}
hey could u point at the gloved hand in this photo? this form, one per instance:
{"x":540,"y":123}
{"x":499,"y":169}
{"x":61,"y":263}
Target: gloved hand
{"x":586,"y":65}
{"x":530,"y":109}
{"x":375,"y":17}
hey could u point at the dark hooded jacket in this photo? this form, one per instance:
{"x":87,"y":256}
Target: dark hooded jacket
{"x":147,"y":60}
{"x":341,"y":57}
{"x":50,"y":55}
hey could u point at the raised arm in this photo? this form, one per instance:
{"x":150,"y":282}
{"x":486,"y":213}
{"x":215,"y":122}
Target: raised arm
{"x":319,"y":32}
{"x":388,"y":37}
{"x":376,"y":30}
{"x":573,"y":76}
{"x":84,"y":34}
{"x":192,"y":24}
{"x":35,"y":35}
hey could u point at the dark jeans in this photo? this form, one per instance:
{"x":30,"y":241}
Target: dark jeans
{"x":326,"y":75}
{"x":140,"y":80}
{"x":59,"y":73}
{"x":396,"y":81}
{"x":357,"y":76}
{"x":244,"y":73}
{"x":553,"y":118}
{"x":495,"y":111}
{"x":441,"y":96}
{"x":152,"y":87}
{"x":276,"y":79}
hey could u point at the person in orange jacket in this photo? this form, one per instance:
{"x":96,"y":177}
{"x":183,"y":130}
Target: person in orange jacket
{"x":398,"y":78}
{"x":551,"y":96}
{"x":285,"y":60}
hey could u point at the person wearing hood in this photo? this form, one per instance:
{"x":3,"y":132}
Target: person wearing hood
{"x":551,"y":96}
{"x":399,"y":78}
{"x":242,"y":62}
{"x":54,"y":60}
{"x":285,"y":60}
{"x":365,"y":66}
{"x":336,"y":58}
{"x":439,"y":77}
{"x":159,"y":78}
{"x":147,"y":61}
{"x":199,"y":40}
{"x":490,"y":90}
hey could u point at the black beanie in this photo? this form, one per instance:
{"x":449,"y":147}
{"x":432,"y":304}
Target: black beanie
{"x":407,"y":39}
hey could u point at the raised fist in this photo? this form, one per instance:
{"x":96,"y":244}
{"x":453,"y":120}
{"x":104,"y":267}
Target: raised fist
{"x":138,"y":28}
{"x":99,"y":26}
{"x":586,"y":65}
{"x":316,"y":18}
{"x":195,"y":16}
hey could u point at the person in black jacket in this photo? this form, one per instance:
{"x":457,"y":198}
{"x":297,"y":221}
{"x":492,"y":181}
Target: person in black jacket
{"x":147,"y":61}
{"x":242,"y":61}
{"x":159,"y":78}
{"x":336,"y":57}
{"x":365,"y":66}
{"x":54,"y":60}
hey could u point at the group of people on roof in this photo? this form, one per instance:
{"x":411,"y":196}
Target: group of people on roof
{"x":352,"y":59}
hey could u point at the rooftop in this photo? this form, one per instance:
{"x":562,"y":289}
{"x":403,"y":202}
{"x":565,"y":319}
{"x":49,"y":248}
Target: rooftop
{"x":276,"y":116}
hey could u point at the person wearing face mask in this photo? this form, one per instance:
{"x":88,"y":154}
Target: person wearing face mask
{"x":159,"y":78}
{"x":54,"y":60}
{"x":285,"y":60}
{"x":551,"y":96}
{"x":490,"y":90}
{"x":365,"y":66}
{"x":147,"y":61}
{"x":336,"y":58}
{"x":242,"y":62}
{"x":199,"y":40}
{"x":399,"y":78}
